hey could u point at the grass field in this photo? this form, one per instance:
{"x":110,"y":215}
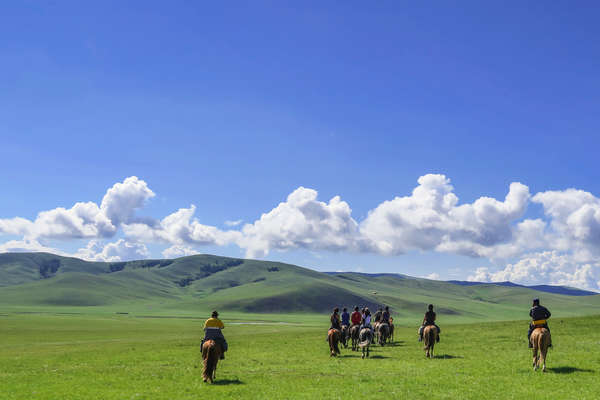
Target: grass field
{"x":68,"y":356}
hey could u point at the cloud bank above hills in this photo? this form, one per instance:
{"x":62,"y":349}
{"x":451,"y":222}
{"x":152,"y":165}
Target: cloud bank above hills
{"x":563,"y":247}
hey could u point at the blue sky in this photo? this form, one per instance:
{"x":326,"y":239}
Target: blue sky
{"x":232,"y":108}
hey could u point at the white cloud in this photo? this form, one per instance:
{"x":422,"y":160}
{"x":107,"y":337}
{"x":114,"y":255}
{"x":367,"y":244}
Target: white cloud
{"x":180,"y":228}
{"x":234,"y":223}
{"x":121,"y":250}
{"x":120,"y":201}
{"x":179,"y":251}
{"x":430,"y":219}
{"x":575,"y":220}
{"x":302,"y":222}
{"x":548,"y":267}
{"x":27,"y":245}
{"x":84,"y":220}
{"x":434,"y":276}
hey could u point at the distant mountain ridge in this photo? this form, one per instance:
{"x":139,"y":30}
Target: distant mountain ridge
{"x":200,"y":283}
{"x":557,"y":289}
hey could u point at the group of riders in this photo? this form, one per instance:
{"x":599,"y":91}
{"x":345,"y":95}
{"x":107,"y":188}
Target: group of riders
{"x":363,"y":319}
{"x":213,"y":326}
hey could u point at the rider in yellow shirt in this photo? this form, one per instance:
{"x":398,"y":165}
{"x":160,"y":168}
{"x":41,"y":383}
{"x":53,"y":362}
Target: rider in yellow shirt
{"x":212,"y":331}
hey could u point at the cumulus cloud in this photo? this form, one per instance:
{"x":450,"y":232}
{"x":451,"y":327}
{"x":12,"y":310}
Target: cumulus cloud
{"x":121,"y":250}
{"x":120,"y":201}
{"x":575,"y":220}
{"x":84,"y":219}
{"x":431,"y":219}
{"x":302,"y":221}
{"x":548,"y":267}
{"x":180,"y":228}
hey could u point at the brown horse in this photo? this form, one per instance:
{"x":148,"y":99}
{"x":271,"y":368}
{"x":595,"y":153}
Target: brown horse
{"x":354,"y":332}
{"x":383,"y":331}
{"x":333,"y":337}
{"x":345,"y":335}
{"x":211,"y":352}
{"x":365,"y":337}
{"x":391,"y":337}
{"x":430,"y":335}
{"x":540,"y":339}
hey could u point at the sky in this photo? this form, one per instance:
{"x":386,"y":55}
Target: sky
{"x":433,"y":140}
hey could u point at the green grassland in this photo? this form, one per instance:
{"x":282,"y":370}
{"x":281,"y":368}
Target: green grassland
{"x":108,"y":356}
{"x":194,"y":285}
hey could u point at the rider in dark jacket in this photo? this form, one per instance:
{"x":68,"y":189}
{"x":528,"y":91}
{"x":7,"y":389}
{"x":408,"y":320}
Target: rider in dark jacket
{"x":538,"y":313}
{"x":385,"y":317}
{"x":335,"y":320}
{"x":429,"y":319}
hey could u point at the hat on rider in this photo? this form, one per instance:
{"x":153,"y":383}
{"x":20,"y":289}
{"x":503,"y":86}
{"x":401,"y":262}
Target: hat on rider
{"x":215,"y":314}
{"x":355,"y":308}
{"x":536,"y":302}
{"x":430,"y":307}
{"x":336,"y":310}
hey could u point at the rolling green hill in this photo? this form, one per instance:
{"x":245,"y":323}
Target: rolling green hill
{"x":203,"y":282}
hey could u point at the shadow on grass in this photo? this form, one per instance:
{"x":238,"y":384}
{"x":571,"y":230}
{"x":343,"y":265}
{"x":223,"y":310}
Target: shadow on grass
{"x":377,"y":356}
{"x":446,"y":356}
{"x":568,"y":370}
{"x":228,"y":382}
{"x":394,"y":344}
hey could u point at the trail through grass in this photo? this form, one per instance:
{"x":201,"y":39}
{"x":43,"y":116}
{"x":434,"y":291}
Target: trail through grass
{"x":122,"y":357}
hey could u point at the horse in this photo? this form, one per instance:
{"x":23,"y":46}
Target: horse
{"x":383,"y":331}
{"x":365,"y":337}
{"x":345,"y":335}
{"x":354,"y":333}
{"x":540,"y":340}
{"x":211,"y":352}
{"x":333,"y":337}
{"x":391,"y":337}
{"x":430,"y":335}
{"x":376,"y":330}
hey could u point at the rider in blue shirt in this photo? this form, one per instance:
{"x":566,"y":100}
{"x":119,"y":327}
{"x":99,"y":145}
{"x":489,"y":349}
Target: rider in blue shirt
{"x":345,"y":317}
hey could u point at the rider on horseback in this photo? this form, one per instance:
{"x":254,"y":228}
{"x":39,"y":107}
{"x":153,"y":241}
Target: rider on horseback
{"x":429,"y":319}
{"x":385,"y":317}
{"x":335,"y":320}
{"x":539,"y":314}
{"x":366,"y":321}
{"x":345,"y":317}
{"x":356,"y":317}
{"x":212,"y":331}
{"x":378,"y":315}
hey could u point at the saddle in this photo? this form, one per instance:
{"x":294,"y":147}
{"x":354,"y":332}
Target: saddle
{"x":539,"y":323}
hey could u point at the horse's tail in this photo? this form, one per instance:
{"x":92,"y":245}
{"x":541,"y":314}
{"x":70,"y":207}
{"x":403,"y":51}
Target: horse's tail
{"x":543,"y":344}
{"x":210,"y":355}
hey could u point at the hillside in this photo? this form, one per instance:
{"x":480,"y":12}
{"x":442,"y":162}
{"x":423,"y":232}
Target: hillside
{"x":204,"y":282}
{"x":566,"y":290}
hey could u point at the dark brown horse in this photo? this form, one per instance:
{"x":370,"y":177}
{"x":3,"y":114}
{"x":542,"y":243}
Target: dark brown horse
{"x":540,"y":339}
{"x":333,"y":337}
{"x":430,"y":335}
{"x":383,"y":332}
{"x":354,"y":333}
{"x":345,"y":335}
{"x":211,"y":352}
